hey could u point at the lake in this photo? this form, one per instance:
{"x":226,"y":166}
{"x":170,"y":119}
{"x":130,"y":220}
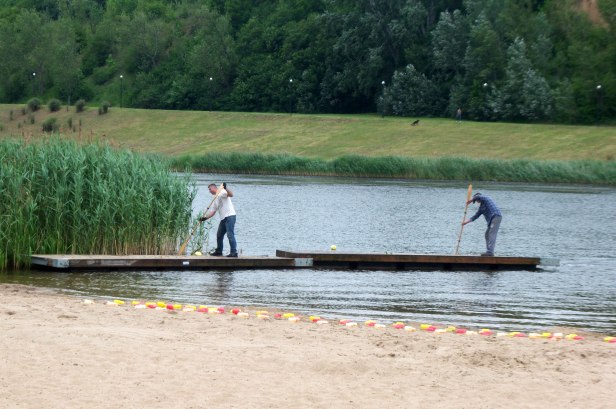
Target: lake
{"x":576,"y":224}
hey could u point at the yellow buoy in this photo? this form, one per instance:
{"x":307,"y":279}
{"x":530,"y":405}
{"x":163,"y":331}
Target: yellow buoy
{"x":333,"y":247}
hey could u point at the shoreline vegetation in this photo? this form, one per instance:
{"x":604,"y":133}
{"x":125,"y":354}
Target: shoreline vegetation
{"x":61,"y":197}
{"x":422,"y":168}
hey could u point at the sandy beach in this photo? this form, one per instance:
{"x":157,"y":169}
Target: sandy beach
{"x":57,"y":352}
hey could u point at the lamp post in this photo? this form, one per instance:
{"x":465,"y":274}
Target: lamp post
{"x":382,"y":99}
{"x":33,"y":84}
{"x":291,"y":97}
{"x":485,"y":101}
{"x":121,"y":89}
{"x":599,"y":102}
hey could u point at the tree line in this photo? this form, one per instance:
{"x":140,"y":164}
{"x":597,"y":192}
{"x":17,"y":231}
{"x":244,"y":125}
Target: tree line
{"x":510,"y":60}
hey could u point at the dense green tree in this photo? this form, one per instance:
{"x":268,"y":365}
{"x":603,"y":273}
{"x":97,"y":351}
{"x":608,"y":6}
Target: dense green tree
{"x":526,"y":60}
{"x":483,"y":65}
{"x":524,"y":94}
{"x":411,"y":93}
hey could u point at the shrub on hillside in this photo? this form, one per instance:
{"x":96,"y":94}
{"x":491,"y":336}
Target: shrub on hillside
{"x":104,"y":108}
{"x":34,"y":104}
{"x":50,"y":124}
{"x":54,"y":105}
{"x":80,"y":105}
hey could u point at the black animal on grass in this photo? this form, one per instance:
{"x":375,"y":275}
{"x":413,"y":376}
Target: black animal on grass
{"x":415,"y":122}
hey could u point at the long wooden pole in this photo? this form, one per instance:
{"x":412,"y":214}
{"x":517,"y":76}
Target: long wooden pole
{"x":468,"y":197}
{"x":183,"y":246}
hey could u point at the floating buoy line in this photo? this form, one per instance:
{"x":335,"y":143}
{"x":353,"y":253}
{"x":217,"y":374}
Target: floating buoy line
{"x":293,"y":318}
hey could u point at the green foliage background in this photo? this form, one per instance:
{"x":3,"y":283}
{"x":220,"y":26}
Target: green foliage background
{"x":513,"y":60}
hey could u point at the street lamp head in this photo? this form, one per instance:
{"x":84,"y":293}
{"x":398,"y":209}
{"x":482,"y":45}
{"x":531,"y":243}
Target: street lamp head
{"x":485,"y":84}
{"x":121,"y":76}
{"x":211,"y":78}
{"x":382,"y":82}
{"x":599,"y":86}
{"x":291,"y":80}
{"x":34,"y":74}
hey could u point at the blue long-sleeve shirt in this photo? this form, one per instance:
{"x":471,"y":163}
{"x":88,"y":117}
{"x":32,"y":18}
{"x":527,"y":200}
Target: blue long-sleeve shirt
{"x":487,"y":208}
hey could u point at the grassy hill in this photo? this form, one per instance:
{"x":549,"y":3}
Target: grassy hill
{"x":177,"y":133}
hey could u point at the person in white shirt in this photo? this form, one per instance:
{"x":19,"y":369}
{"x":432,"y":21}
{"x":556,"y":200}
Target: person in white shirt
{"x":226,"y":211}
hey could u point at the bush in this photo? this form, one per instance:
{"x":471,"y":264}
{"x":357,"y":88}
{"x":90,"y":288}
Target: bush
{"x":31,"y":118}
{"x":80,"y":105}
{"x":69,"y":122}
{"x":104,"y":108}
{"x":23,"y":111}
{"x":34,"y":104}
{"x":50,"y":124}
{"x":54,"y":105}
{"x":11,"y":115}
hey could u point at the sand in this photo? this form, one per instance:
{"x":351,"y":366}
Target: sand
{"x":56,"y":352}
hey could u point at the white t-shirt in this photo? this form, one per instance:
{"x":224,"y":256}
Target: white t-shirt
{"x":223,"y":205}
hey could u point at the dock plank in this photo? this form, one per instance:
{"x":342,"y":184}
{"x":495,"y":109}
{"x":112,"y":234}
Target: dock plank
{"x":404,"y":261}
{"x":102,"y":262}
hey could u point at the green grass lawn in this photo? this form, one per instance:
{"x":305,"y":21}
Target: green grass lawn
{"x":177,"y":133}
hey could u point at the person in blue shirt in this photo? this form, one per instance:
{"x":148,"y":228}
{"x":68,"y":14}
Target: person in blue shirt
{"x":493,"y":216}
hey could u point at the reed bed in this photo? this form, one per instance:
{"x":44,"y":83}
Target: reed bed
{"x":455,"y":168}
{"x":60,"y":197}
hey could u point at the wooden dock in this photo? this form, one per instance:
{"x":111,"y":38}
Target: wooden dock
{"x":373,"y":261}
{"x":289,"y":260}
{"x":105,"y":262}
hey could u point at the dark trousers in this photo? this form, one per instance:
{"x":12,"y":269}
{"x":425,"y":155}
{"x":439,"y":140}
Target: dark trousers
{"x":226,"y":226}
{"x":491,"y":233}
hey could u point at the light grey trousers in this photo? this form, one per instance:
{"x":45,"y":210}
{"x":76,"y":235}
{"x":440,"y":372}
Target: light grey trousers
{"x":491,"y":233}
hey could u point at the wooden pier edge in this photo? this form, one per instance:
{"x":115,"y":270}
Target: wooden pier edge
{"x":404,"y":261}
{"x":159,"y":262}
{"x":286,"y":259}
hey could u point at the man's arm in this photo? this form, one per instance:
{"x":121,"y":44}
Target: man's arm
{"x":475,"y":216}
{"x":211,"y":212}
{"x":228,"y":193}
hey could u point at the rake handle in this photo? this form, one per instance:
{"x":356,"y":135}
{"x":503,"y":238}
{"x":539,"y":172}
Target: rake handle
{"x":468,"y":197}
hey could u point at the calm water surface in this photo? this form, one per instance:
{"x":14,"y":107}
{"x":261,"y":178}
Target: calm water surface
{"x":575,"y":224}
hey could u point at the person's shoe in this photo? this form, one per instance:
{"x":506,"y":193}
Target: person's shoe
{"x":231,"y":255}
{"x":215,"y":253}
{"x":487,"y":254}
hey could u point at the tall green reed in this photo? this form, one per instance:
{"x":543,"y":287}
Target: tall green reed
{"x":60,"y":197}
{"x":456,"y":168}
